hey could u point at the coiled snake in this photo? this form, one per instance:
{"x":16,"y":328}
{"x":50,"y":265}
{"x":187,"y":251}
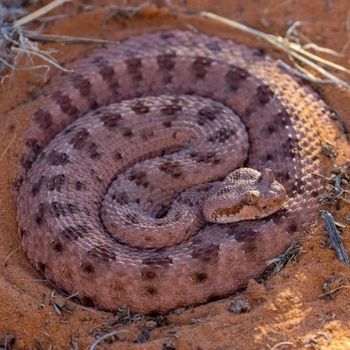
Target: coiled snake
{"x":164,"y":118}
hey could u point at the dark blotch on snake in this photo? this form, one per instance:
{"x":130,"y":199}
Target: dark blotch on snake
{"x":65,"y":103}
{"x":58,"y":158}
{"x":234,"y":77}
{"x":199,"y":276}
{"x":161,"y":261}
{"x":37,"y":186}
{"x":75,"y":232}
{"x":208,"y":253}
{"x":82,"y":84}
{"x":57,"y":246}
{"x":39,"y":216}
{"x":264,"y":94}
{"x":33,"y":145}
{"x":117,"y":156}
{"x":167,"y":123}
{"x":88,"y":268}
{"x":148,"y":274}
{"x":171,"y":108}
{"x":140,"y":107}
{"x":200,"y":67}
{"x":134,"y":66}
{"x":151,"y":290}
{"x":171,"y":167}
{"x":166,"y":61}
{"x":79,"y":186}
{"x":79,"y":139}
{"x":56,"y":182}
{"x":43,"y":118}
{"x":111,"y":120}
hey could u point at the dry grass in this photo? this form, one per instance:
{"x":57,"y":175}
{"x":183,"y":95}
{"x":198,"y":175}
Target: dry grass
{"x":17,"y":43}
{"x":307,"y":64}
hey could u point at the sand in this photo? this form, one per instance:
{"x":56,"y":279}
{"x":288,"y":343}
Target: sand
{"x":304,"y":306}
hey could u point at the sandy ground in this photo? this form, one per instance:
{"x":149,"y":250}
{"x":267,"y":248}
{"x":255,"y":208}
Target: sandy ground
{"x":289,"y":310}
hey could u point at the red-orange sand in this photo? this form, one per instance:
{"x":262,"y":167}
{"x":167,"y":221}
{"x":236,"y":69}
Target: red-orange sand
{"x":286,"y":311}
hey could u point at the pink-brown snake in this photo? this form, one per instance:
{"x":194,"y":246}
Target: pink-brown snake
{"x":131,"y":128}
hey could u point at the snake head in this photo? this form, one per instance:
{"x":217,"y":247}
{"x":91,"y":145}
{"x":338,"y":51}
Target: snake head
{"x":245,"y":194}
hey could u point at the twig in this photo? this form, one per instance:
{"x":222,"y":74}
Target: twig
{"x":332,"y":291}
{"x":43,"y":55}
{"x":7,"y":147}
{"x":40,"y":12}
{"x":86,"y":308}
{"x":339,"y":177}
{"x":8,"y":256}
{"x":291,"y":254}
{"x":334,"y":236}
{"x":282,"y":344}
{"x":35,"y":51}
{"x":126,"y":12}
{"x":326,"y":50}
{"x":111,"y":334}
{"x":66,"y":39}
{"x":300,"y":72}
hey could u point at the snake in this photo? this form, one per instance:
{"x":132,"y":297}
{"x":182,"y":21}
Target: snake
{"x":165,"y":171}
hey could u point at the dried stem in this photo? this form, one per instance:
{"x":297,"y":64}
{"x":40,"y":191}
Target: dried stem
{"x":39,"y":13}
{"x":105,"y":336}
{"x":334,"y":236}
{"x":306,"y":64}
{"x":294,"y":49}
{"x":66,"y":39}
{"x":7,"y":147}
{"x":14,"y":43}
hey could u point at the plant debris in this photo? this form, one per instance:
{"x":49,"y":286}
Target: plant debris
{"x":336,"y":191}
{"x":144,"y":335}
{"x":15,"y":41}
{"x":239,"y":304}
{"x":170,"y":345}
{"x":113,"y":335}
{"x":291,"y":254}
{"x":125,"y":12}
{"x":278,"y":263}
{"x":329,"y":150}
{"x":60,"y":303}
{"x":318,"y":69}
{"x":333,"y":286}
{"x":124,"y":317}
{"x":335,"y":239}
{"x":10,"y":10}
{"x":14,"y":44}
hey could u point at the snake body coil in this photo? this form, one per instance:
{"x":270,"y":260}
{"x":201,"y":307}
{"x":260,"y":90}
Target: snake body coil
{"x":133,"y":127}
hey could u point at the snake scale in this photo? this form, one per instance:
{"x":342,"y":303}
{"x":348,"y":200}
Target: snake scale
{"x":157,"y":121}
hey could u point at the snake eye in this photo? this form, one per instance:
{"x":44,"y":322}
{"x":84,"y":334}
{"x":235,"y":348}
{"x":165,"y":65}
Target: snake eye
{"x":251,"y":197}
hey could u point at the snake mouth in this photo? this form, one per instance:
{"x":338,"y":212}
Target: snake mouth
{"x":235,"y":213}
{"x":228,"y":211}
{"x":241,"y":212}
